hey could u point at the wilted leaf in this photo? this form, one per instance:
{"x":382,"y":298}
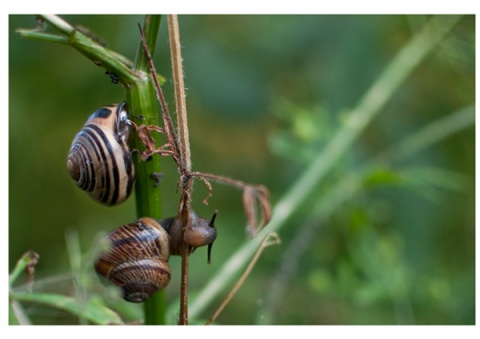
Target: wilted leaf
{"x":27,"y":262}
{"x":252,"y":195}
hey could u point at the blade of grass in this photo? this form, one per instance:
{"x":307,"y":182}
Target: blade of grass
{"x":436,"y":131}
{"x":91,"y":311}
{"x":16,"y":314}
{"x":75,"y":258}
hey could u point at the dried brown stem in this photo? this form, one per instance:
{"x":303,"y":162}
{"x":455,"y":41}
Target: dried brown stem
{"x":184,"y":152}
{"x":179,"y":148}
{"x":143,"y":133}
{"x":179,"y":85}
{"x":221,"y":179}
{"x":252,"y":195}
{"x":167,"y":120}
{"x":264,"y":244}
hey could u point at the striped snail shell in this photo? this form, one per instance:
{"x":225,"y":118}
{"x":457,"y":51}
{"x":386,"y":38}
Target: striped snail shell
{"x":99,"y":160}
{"x":135,"y":255}
{"x":136,"y":259}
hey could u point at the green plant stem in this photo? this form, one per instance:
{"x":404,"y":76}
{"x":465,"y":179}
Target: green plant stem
{"x":369,"y":106}
{"x":41,"y":36}
{"x":100,"y":55}
{"x":150,"y":30}
{"x":141,"y":101}
{"x":436,"y":131}
{"x":58,"y":23}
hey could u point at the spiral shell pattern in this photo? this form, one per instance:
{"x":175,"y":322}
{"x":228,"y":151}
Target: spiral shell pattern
{"x":136,"y":259}
{"x":99,"y":160}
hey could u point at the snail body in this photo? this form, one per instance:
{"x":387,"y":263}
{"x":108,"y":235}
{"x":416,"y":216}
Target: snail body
{"x":201,"y":232}
{"x":136,"y":257}
{"x":99,"y":160}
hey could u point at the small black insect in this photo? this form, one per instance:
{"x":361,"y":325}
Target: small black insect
{"x":157,"y":177}
{"x":113,"y":77}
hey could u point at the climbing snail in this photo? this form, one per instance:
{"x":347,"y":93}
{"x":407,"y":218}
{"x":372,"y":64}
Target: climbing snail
{"x":99,"y":160}
{"x":135,"y":255}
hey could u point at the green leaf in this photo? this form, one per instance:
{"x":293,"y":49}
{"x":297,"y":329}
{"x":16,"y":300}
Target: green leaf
{"x":437,"y":177}
{"x":381,"y":176}
{"x":91,"y":311}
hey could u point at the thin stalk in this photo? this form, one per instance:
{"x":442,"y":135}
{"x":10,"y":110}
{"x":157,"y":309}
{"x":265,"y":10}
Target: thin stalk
{"x":58,"y":23}
{"x":436,"y":131}
{"x":41,"y":36}
{"x":369,"y":106}
{"x":151,"y":26}
{"x":17,"y":315}
{"x":179,"y":85}
{"x":75,"y":257}
{"x":270,"y":239}
{"x":184,"y":156}
{"x":100,"y":55}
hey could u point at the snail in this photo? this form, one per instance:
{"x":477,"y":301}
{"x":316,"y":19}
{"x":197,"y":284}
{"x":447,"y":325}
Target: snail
{"x":137,"y":254}
{"x":136,"y":259}
{"x":99,"y":160}
{"x":201,"y":233}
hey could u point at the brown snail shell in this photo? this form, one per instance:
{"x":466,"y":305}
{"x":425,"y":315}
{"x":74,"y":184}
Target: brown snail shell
{"x":99,"y":160}
{"x":137,"y":259}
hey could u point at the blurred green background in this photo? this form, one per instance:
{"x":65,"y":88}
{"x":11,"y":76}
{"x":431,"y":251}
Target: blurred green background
{"x":265,"y":94}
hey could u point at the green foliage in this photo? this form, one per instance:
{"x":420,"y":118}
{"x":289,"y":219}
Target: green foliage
{"x":90,"y":311}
